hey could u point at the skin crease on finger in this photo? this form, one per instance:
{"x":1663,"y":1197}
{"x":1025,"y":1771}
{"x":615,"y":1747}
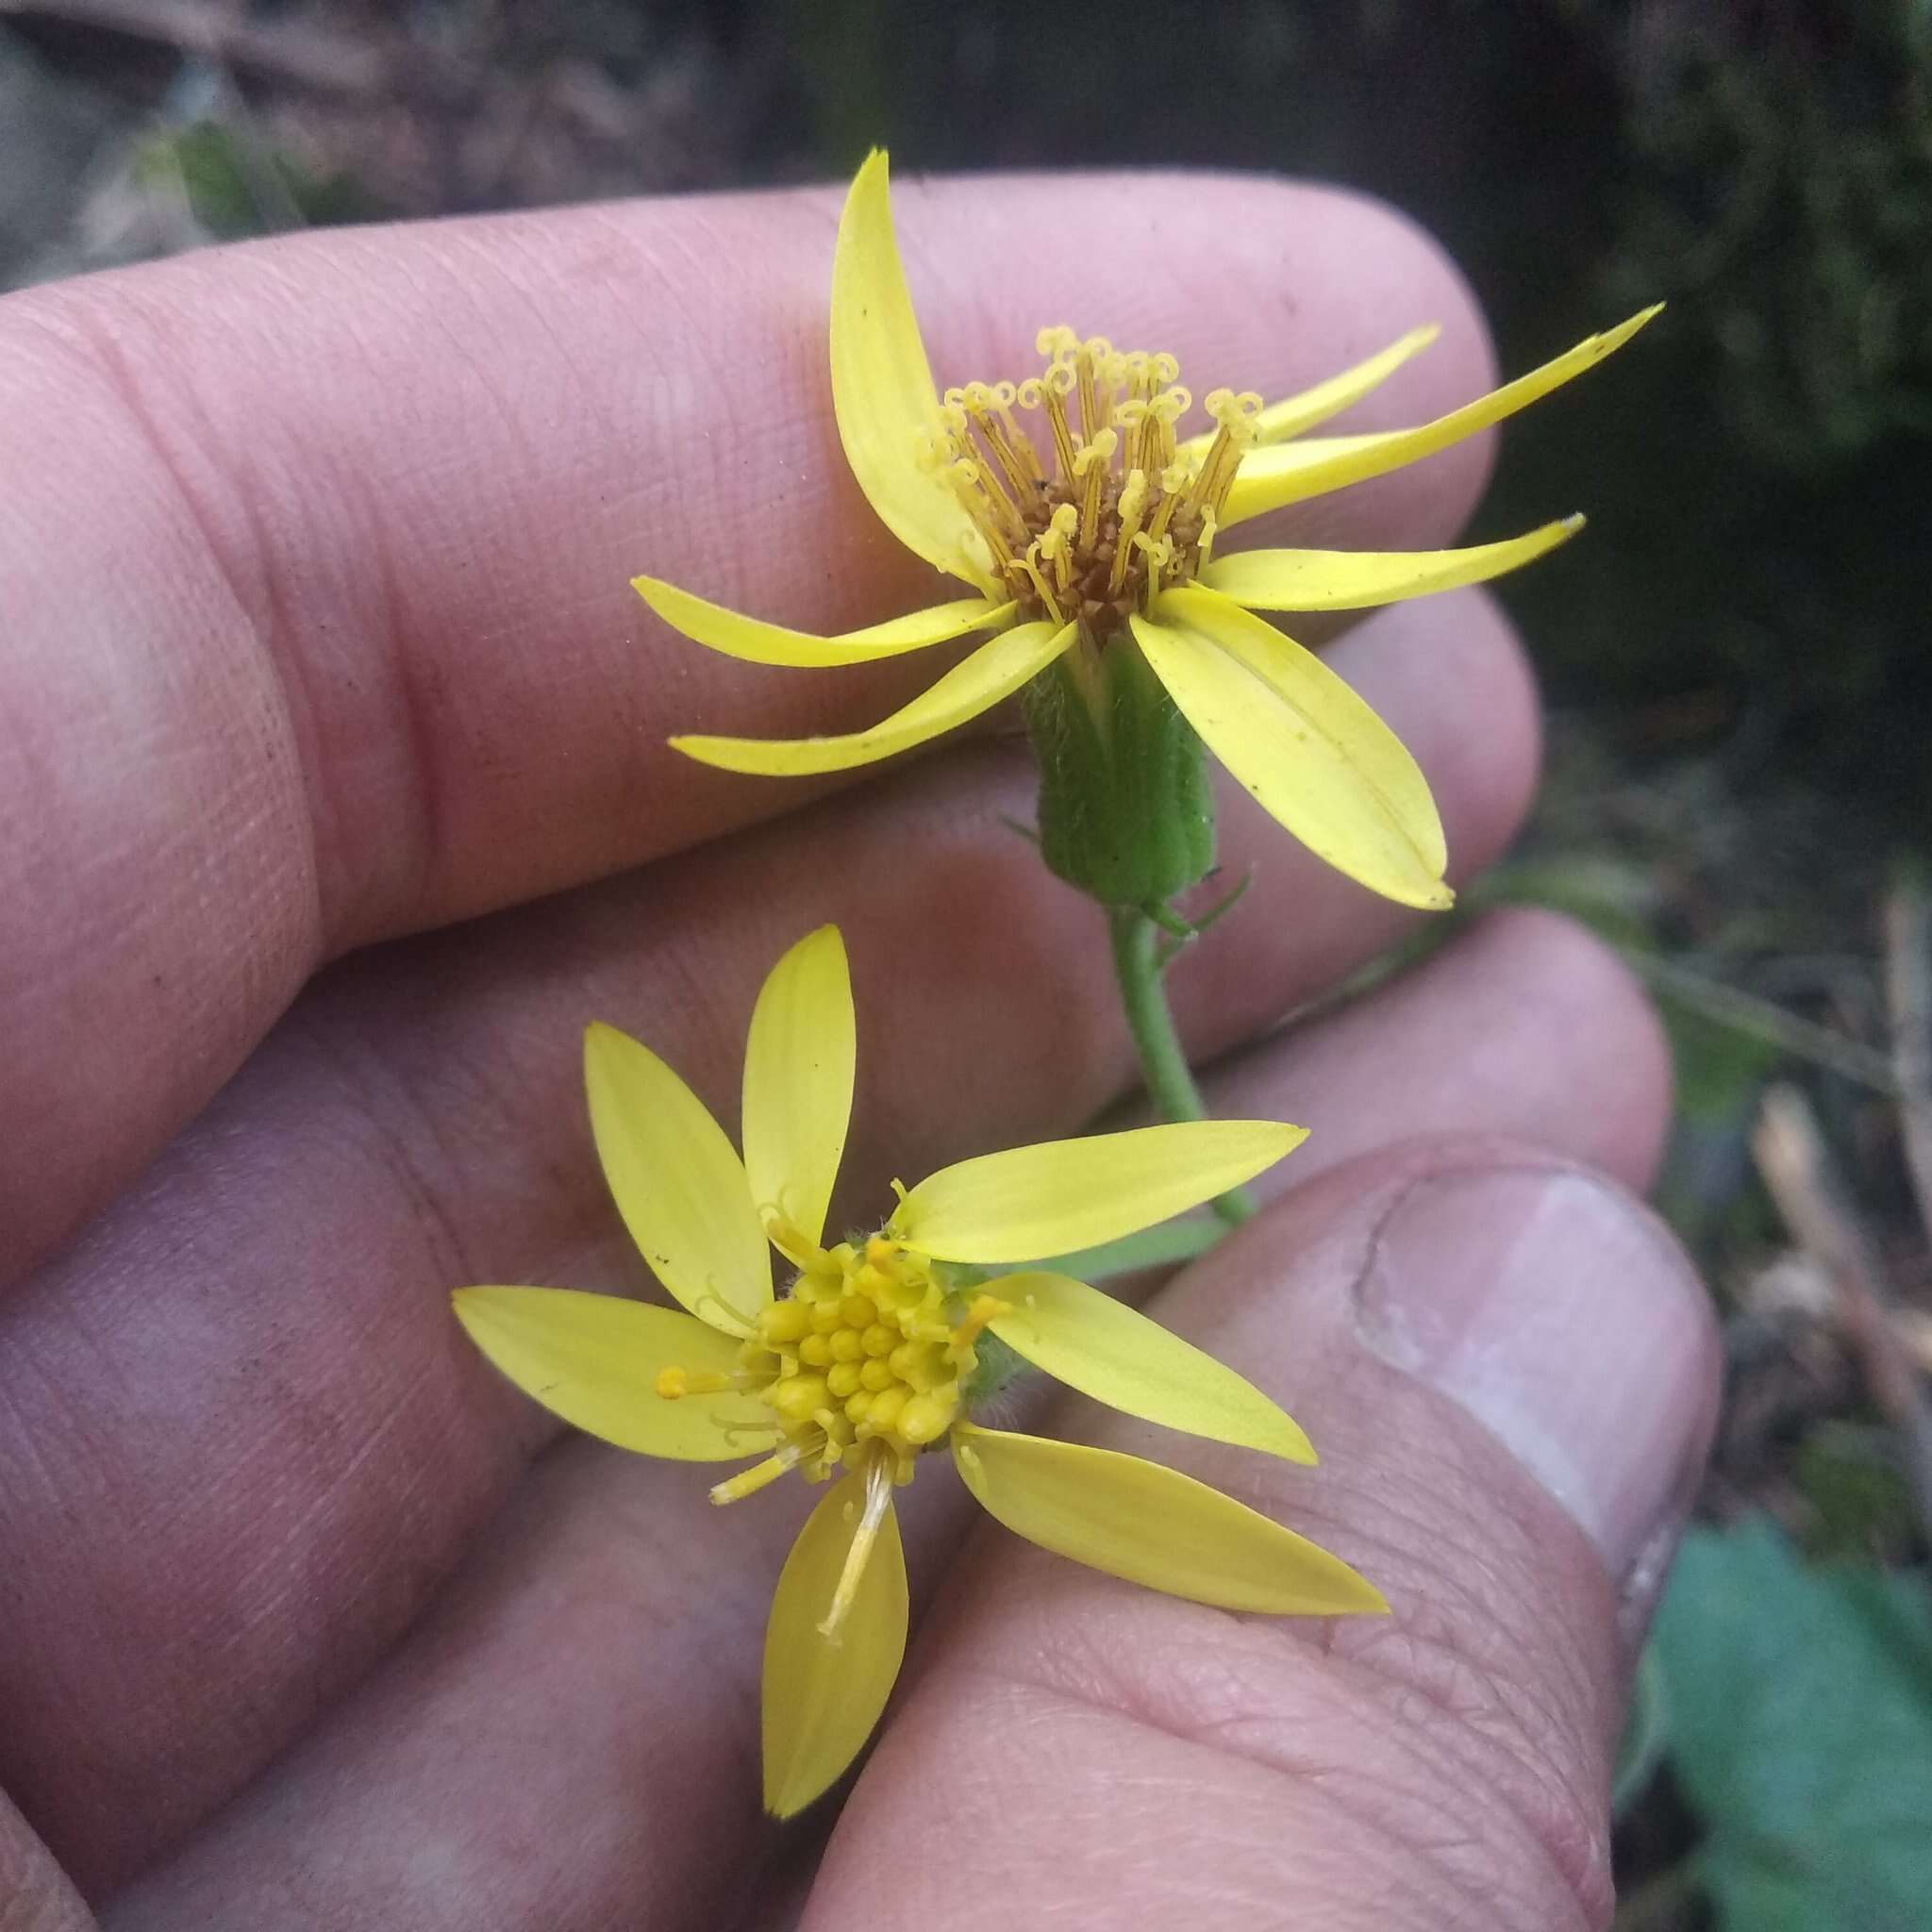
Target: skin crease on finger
{"x":319,"y":620}
{"x":613,"y":1609}
{"x":301,"y":1442}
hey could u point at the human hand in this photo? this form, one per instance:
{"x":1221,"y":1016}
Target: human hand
{"x":319,"y":642}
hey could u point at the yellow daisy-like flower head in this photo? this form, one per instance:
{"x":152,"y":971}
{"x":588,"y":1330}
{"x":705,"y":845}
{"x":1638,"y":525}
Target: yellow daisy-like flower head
{"x":1091,"y":533}
{"x":873,"y":1356}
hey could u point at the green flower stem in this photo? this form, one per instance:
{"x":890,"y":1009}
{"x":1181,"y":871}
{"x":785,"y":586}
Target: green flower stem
{"x":1138,"y":968}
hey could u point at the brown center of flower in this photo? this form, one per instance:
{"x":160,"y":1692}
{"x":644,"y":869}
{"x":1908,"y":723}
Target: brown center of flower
{"x":1122,"y":512}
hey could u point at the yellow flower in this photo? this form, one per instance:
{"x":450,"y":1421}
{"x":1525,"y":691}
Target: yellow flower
{"x":871,"y":1356}
{"x":1098,"y":532}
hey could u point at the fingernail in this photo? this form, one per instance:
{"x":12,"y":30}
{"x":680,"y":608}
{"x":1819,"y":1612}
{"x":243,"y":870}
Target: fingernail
{"x":1560,"y":1316}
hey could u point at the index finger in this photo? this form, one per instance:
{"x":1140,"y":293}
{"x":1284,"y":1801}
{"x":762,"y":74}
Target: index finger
{"x":319,"y":627}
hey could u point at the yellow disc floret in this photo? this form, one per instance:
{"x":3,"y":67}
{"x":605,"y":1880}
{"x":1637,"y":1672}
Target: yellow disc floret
{"x":1118,"y":514}
{"x":867,"y":1348}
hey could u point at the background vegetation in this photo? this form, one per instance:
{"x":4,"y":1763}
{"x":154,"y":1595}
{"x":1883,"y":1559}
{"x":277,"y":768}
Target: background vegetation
{"x":1737,"y":659}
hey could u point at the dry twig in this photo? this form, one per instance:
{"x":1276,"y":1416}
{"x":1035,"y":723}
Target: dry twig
{"x":1798,"y":1170}
{"x":1908,"y":994}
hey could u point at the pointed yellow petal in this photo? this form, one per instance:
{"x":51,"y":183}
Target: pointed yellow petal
{"x":824,"y":1694}
{"x":882,"y":387}
{"x":676,"y":1181}
{"x":1310,"y":750}
{"x":1153,"y":1525}
{"x":1349,"y":580}
{"x":595,"y":1359}
{"x":1113,"y":1353}
{"x":798,"y":1067}
{"x":738,"y":636}
{"x":1270,"y":477}
{"x":994,"y":671}
{"x":1065,"y":1194}
{"x":1296,"y":414}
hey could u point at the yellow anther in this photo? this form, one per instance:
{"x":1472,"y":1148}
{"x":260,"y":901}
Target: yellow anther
{"x":879,"y":1339}
{"x":825,"y":1317}
{"x":874,"y":1375}
{"x":842,"y":1379}
{"x":815,"y":1351}
{"x":858,"y":1407}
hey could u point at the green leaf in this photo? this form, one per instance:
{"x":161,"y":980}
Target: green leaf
{"x":1801,"y":1728}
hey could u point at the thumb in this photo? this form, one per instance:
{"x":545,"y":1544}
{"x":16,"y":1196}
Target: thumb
{"x":1510,"y":1373}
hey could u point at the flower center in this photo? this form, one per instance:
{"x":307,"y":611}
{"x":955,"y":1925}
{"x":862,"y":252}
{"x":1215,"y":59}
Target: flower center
{"x":1121,"y":514}
{"x":865,"y":1348}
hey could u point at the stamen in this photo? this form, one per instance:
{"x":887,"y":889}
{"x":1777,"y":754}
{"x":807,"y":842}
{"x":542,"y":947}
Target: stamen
{"x":1093,"y":355}
{"x":1204,"y":546}
{"x":978,"y":404}
{"x":1159,"y":554}
{"x":672,"y":1384}
{"x":1093,"y":463}
{"x":1132,"y":506}
{"x":985,"y":1309}
{"x":712,"y":1298}
{"x":1053,"y":386}
{"x":748,"y":1482}
{"x":1056,"y":543}
{"x":1030,"y":564}
{"x":878,"y":1499}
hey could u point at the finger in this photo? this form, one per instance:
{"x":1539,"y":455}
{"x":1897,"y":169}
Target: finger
{"x":616,"y":1612}
{"x":319,"y":627}
{"x":1520,"y":984}
{"x":267,"y":1320}
{"x":35,"y":1895}
{"x":1511,"y":1375}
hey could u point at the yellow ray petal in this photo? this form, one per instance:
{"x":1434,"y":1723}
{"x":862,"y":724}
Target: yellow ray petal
{"x":1349,"y":580}
{"x":1113,"y":1353}
{"x":996,"y":670}
{"x":1270,"y":477}
{"x":594,"y":1360}
{"x":738,"y":636}
{"x":1153,"y":1525}
{"x":882,"y":387}
{"x":1310,"y":750}
{"x":676,"y":1181}
{"x":1060,"y":1196}
{"x":824,"y":1694}
{"x":1302,"y":410}
{"x":798,"y":1067}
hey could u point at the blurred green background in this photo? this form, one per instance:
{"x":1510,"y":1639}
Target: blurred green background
{"x":1735,"y":658}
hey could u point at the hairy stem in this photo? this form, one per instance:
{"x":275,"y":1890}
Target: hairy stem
{"x":1138,"y":968}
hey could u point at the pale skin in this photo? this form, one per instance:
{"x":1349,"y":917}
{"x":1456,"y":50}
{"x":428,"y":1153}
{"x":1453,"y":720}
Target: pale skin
{"x":318,"y":637}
